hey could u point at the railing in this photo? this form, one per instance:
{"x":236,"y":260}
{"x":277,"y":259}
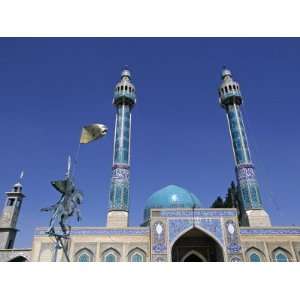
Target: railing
{"x":125,"y":93}
{"x":232,"y":93}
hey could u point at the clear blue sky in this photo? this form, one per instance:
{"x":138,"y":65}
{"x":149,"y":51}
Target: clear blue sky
{"x":49,"y":88}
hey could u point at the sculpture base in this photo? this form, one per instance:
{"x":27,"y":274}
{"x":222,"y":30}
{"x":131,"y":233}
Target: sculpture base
{"x":256,"y":218}
{"x":117,"y":219}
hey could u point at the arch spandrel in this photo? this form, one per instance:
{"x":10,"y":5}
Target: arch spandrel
{"x":212,"y":227}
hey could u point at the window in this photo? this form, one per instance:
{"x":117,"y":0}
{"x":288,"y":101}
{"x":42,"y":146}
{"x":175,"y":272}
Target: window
{"x":10,"y":201}
{"x":254,"y":254}
{"x":125,"y":87}
{"x":111,"y":255}
{"x":84,"y":258}
{"x":122,"y":88}
{"x":280,"y":257}
{"x":110,"y":258}
{"x":136,"y":257}
{"x":226,"y":90}
{"x":84,"y":255}
{"x":254,"y":257}
{"x":130,"y":89}
{"x":230,"y":88}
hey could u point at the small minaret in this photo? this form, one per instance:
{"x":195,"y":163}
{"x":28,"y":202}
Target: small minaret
{"x":124,"y":100}
{"x":9,"y":217}
{"x":231,"y":100}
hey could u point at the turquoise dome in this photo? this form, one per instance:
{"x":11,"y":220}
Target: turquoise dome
{"x":171,"y":196}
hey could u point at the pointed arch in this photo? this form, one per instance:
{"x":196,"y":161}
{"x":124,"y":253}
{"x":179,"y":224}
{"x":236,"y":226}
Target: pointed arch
{"x":201,"y":238}
{"x":84,"y":255}
{"x":254,"y":254}
{"x":280,"y":254}
{"x":136,"y":255}
{"x":111,"y":255}
{"x":200,"y":229}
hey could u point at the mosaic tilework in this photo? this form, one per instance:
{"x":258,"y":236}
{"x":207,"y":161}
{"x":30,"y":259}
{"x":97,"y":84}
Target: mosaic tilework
{"x":238,"y":134}
{"x":177,"y":226}
{"x":119,"y":191}
{"x":233,"y":241}
{"x":248,"y":186}
{"x":159,"y":243}
{"x":203,"y":213}
{"x":101,"y":231}
{"x":270,"y":231}
{"x":245,"y":173}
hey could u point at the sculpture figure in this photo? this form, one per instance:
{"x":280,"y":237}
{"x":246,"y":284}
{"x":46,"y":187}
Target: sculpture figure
{"x":66,"y":206}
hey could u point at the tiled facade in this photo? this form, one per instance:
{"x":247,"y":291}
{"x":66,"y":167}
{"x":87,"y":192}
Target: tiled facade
{"x":155,"y":241}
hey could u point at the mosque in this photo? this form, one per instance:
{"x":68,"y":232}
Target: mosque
{"x":176,"y":227}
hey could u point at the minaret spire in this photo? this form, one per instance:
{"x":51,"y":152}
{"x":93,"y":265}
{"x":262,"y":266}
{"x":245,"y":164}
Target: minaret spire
{"x":124,"y":100}
{"x":10,"y":214}
{"x":231,"y":99}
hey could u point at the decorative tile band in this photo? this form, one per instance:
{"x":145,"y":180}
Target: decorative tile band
{"x":205,"y":213}
{"x":270,"y":231}
{"x":104,"y":231}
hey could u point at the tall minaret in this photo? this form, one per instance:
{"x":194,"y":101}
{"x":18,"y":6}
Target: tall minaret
{"x":124,"y":100}
{"x":231,"y":99}
{"x":9,"y":217}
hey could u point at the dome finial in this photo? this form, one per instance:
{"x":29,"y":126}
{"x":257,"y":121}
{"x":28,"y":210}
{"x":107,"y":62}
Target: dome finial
{"x":126,"y":72}
{"x":225,"y":72}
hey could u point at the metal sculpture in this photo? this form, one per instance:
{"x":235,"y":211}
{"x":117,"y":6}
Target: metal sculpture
{"x":66,"y":207}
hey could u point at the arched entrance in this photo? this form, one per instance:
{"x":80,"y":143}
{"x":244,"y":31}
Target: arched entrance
{"x":196,"y":246}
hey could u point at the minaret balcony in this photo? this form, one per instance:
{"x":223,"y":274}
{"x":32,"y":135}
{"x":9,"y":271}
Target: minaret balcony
{"x":231,"y":94}
{"x":230,"y":99}
{"x":126,"y":94}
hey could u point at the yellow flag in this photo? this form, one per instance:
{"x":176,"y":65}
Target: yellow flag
{"x":92,"y":132}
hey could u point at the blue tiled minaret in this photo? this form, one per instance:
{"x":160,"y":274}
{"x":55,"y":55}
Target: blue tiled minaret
{"x":231,"y":99}
{"x":124,"y":100}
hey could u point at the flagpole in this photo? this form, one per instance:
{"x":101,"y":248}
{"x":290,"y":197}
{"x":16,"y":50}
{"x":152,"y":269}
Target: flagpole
{"x":76,"y":158}
{"x":88,"y":134}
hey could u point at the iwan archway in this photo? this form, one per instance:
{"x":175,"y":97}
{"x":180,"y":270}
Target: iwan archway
{"x":196,"y":246}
